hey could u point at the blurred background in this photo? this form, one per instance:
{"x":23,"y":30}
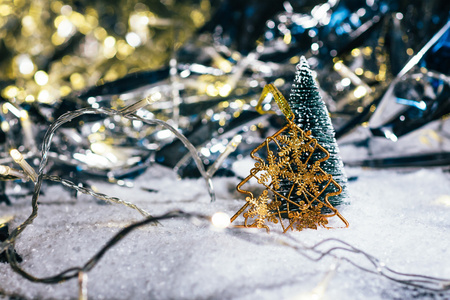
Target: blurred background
{"x":381,"y":67}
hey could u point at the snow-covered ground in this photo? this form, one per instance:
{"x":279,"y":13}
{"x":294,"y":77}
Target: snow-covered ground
{"x":400,"y":217}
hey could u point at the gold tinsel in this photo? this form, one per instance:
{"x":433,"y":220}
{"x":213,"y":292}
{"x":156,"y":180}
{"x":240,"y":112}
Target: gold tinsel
{"x":52,"y":48}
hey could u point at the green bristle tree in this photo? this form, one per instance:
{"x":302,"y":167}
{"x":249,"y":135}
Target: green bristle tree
{"x":312,"y":115}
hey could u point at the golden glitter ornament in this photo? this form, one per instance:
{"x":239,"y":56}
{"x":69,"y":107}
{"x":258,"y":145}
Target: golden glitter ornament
{"x":286,"y":157}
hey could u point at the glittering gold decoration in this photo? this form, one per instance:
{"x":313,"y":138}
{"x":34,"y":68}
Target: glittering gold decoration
{"x":288,"y":157}
{"x":279,"y":99}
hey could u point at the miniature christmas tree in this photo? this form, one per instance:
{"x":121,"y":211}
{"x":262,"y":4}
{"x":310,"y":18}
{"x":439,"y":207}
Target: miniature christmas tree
{"x":312,"y":115}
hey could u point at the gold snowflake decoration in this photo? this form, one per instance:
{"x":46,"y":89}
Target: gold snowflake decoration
{"x":296,"y":184}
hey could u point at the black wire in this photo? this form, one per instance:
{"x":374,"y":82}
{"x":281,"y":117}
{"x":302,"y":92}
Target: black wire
{"x":419,"y":281}
{"x":91,"y":263}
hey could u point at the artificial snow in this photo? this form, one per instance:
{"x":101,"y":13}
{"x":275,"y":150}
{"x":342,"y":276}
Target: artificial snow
{"x":399,"y":216}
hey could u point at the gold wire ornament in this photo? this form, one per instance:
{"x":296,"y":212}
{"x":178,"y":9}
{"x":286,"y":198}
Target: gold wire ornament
{"x":287,"y":169}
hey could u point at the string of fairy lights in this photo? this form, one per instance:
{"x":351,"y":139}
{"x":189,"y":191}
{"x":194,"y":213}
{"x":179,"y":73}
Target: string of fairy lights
{"x":330,"y":247}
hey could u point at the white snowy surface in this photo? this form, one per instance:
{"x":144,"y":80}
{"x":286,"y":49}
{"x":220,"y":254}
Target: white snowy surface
{"x":400,"y":217}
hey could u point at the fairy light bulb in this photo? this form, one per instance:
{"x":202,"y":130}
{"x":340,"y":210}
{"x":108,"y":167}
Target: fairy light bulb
{"x":4,"y":170}
{"x":136,"y":106}
{"x":220,"y":220}
{"x":8,"y":171}
{"x":16,"y":155}
{"x":41,"y":77}
{"x":133,"y":39}
{"x":18,"y":158}
{"x":26,"y":65}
